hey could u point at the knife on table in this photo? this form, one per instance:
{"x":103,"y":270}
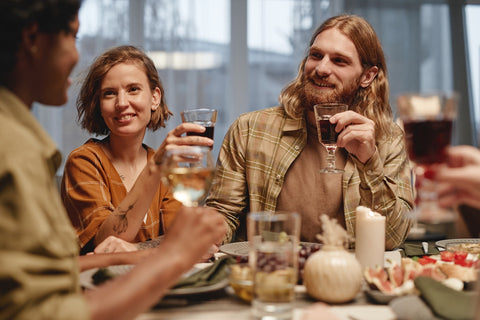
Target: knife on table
{"x":425,"y":247}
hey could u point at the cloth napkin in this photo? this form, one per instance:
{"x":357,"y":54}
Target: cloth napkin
{"x":209,"y":275}
{"x":445,"y":302}
{"x":412,"y":249}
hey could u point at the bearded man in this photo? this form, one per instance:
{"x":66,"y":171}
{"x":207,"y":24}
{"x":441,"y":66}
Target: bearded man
{"x":270,"y":159}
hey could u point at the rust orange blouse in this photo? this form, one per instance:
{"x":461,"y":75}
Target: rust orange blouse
{"x":92,"y":188}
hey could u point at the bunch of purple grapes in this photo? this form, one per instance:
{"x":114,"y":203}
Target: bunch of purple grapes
{"x":269,"y":262}
{"x":266,"y":262}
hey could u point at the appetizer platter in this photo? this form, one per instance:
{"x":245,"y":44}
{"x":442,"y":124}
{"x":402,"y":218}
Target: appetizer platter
{"x":454,"y":269}
{"x":469,"y":245}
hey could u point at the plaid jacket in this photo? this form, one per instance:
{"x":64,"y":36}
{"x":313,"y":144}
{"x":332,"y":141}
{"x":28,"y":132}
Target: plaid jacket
{"x":259,"y":148}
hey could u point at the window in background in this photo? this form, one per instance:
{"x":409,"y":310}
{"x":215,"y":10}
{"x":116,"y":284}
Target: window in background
{"x":472,"y":13}
{"x":237,"y":55}
{"x":189,"y":43}
{"x":278,"y":37}
{"x":416,"y":41}
{"x":187,"y":39}
{"x":417,"y":37}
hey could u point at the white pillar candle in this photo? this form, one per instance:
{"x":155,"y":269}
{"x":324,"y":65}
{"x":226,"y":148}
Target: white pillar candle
{"x":369,"y":238}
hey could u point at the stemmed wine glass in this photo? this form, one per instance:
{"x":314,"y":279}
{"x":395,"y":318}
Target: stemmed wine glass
{"x":326,"y":132}
{"x":188,"y":170}
{"x":428,"y":122}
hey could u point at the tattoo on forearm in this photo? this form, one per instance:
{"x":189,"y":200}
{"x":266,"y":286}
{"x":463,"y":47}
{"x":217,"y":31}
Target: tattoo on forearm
{"x":150,"y":243}
{"x":122,"y":225}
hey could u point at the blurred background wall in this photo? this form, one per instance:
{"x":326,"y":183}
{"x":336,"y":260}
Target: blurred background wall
{"x":236,"y":55}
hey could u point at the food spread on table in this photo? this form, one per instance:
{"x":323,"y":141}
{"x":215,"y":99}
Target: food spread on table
{"x":455,"y":269}
{"x":473,"y":248}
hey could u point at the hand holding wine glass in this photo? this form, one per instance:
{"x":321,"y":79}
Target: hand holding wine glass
{"x":326,"y":132}
{"x":428,"y":123}
{"x":188,"y":170}
{"x":202,"y":116}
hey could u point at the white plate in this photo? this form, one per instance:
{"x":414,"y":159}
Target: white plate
{"x":445,"y":243}
{"x":241,"y":248}
{"x":86,"y":280}
{"x":235,"y":248}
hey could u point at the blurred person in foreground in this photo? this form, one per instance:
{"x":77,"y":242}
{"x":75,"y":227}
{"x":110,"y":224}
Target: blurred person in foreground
{"x":112,"y":186}
{"x":270,"y":159}
{"x":39,"y":263}
{"x":460,"y":186}
{"x":460,"y":180}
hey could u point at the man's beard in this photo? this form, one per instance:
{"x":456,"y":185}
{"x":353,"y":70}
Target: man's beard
{"x":310,"y":95}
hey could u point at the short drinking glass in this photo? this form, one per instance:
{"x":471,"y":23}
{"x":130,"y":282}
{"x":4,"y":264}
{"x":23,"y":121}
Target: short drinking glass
{"x":203,"y":116}
{"x":273,"y":257}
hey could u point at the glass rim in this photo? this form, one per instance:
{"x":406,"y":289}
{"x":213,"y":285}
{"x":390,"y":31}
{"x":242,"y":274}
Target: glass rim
{"x":199,"y":110}
{"x":183,"y":148}
{"x":330,"y":104}
{"x":442,"y":105}
{"x":273,"y":215}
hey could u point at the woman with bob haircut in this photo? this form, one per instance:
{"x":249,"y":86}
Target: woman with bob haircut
{"x":112,"y":187}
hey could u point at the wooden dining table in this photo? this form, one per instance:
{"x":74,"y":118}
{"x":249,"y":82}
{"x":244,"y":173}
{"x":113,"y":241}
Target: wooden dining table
{"x":223,"y":304}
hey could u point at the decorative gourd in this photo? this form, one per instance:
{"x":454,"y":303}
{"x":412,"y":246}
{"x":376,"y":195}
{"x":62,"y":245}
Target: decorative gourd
{"x":332,"y":274}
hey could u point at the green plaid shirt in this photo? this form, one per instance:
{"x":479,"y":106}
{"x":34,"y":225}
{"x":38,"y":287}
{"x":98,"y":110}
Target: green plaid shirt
{"x":259,"y":148}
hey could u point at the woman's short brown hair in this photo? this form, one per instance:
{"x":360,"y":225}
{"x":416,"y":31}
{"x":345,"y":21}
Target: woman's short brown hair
{"x":88,"y":102}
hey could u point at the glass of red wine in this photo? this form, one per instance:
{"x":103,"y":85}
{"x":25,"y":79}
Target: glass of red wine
{"x":428,"y":121}
{"x":326,"y":132}
{"x":203,"y":116}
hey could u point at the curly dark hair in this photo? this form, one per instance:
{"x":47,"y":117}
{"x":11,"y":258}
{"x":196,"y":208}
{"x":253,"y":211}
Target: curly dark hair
{"x":51,"y":16}
{"x":88,"y":101}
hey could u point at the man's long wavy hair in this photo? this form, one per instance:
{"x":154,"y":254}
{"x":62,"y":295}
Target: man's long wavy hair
{"x":88,"y":101}
{"x":372,"y":101}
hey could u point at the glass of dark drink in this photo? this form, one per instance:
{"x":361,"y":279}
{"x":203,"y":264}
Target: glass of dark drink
{"x":203,"y":116}
{"x":326,"y":132}
{"x":428,"y":121}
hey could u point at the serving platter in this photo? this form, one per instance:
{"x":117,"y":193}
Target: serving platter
{"x":448,"y":242}
{"x":240,"y":249}
{"x":236,"y":249}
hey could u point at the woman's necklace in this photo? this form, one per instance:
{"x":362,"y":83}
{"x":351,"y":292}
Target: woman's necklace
{"x":109,"y":152}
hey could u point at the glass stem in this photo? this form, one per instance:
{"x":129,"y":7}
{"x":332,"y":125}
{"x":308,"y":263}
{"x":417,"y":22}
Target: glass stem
{"x":331,"y":158}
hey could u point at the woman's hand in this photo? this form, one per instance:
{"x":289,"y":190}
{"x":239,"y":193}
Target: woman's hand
{"x":357,"y":134}
{"x":114,"y":244}
{"x":176,"y":138}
